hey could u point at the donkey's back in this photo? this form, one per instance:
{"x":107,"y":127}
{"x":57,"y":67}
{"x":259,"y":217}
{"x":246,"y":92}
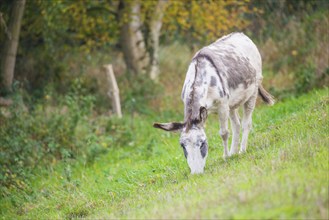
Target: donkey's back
{"x":235,"y":57}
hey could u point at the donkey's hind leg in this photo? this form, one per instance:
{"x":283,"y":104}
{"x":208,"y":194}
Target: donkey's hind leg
{"x":248,"y":108}
{"x":224,"y":133}
{"x":235,"y":124}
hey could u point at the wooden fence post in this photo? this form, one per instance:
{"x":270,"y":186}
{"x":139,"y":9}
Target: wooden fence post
{"x":113,"y":91}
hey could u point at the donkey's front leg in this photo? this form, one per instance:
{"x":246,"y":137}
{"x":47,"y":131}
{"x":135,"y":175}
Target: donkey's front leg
{"x":224,"y":133}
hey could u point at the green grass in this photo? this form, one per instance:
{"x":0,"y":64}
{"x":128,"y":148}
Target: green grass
{"x":284,"y":174}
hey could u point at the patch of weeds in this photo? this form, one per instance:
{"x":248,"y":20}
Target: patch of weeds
{"x":139,"y":92}
{"x":305,"y":78}
{"x":77,"y":212}
{"x":42,"y":136}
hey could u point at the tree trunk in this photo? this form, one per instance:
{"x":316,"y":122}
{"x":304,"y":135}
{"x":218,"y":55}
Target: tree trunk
{"x":10,"y":48}
{"x":155,"y":27}
{"x":132,"y":39}
{"x":141,"y":50}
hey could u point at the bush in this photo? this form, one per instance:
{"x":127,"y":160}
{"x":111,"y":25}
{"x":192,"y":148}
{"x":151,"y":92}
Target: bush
{"x":61,"y":128}
{"x":138,"y":92}
{"x":305,"y":78}
{"x":43,"y":136}
{"x":291,"y":42}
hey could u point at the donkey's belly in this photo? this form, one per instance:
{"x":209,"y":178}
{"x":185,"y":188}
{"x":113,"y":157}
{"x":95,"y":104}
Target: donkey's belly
{"x":240,"y":95}
{"x":237,"y":97}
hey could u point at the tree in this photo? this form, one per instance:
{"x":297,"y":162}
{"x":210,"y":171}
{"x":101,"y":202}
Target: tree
{"x":11,"y":43}
{"x":139,"y":38}
{"x":132,"y":40}
{"x":155,"y":28}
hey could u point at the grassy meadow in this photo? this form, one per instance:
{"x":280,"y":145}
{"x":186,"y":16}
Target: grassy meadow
{"x":284,"y":173}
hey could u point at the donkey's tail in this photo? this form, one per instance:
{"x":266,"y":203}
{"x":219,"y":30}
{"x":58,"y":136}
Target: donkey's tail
{"x":266,"y":97}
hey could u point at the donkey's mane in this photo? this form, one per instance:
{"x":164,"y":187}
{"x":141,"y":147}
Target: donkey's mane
{"x":191,"y":119}
{"x":207,"y":54}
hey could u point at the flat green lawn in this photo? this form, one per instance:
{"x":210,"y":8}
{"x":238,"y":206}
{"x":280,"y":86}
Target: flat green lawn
{"x":284,"y":174}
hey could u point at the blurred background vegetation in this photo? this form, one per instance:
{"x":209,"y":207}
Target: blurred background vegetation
{"x":59,"y":108}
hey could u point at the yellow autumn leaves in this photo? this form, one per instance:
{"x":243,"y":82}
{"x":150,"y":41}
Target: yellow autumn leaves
{"x":206,"y":20}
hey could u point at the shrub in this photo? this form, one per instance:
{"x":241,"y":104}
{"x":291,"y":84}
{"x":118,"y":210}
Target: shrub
{"x":296,"y":50}
{"x":305,"y":78}
{"x":138,"y":91}
{"x":42,"y":136}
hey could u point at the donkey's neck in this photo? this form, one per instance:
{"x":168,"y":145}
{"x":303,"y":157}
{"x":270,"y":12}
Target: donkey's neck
{"x":195,"y":89}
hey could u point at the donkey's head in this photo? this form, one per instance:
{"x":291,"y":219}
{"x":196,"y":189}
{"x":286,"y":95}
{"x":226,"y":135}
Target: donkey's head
{"x":193,"y":139}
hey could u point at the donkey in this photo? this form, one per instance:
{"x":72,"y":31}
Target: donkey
{"x":220,"y":78}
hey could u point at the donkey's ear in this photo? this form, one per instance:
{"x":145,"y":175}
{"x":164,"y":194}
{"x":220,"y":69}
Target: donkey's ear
{"x":203,"y":114}
{"x":172,"y":126}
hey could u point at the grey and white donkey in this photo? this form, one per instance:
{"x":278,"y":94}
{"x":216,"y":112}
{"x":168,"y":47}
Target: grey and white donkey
{"x":221,"y":77}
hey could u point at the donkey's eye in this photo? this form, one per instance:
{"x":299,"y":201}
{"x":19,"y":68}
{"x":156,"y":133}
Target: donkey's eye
{"x":204,"y":149}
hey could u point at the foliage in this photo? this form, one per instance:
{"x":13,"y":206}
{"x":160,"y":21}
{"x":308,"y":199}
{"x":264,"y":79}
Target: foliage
{"x":204,"y":21}
{"x":51,"y":30}
{"x":305,"y":78}
{"x":139,"y":93}
{"x":150,"y":178}
{"x":291,"y":39}
{"x":87,"y":26}
{"x":62,"y":128}
{"x":42,"y":136}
